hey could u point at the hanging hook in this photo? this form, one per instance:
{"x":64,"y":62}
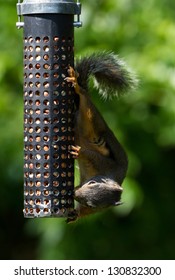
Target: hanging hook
{"x":19,"y":23}
{"x":78,"y":23}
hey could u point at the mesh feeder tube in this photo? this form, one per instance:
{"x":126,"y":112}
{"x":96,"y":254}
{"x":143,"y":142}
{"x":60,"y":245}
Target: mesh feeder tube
{"x":48,"y":28}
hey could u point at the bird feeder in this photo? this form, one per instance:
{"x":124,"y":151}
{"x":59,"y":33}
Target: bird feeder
{"x":48,"y":51}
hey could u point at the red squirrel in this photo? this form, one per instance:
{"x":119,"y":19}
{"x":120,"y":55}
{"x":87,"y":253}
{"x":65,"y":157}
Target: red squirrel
{"x":102,"y":160}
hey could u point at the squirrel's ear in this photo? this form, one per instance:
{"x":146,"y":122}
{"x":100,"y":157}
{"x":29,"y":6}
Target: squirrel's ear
{"x":118,"y":203}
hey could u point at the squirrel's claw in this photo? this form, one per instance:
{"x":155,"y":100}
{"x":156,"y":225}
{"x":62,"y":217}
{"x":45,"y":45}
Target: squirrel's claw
{"x":72,"y":78}
{"x":75,"y":151}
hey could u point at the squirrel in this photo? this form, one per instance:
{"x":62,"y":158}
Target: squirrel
{"x":102,"y":160}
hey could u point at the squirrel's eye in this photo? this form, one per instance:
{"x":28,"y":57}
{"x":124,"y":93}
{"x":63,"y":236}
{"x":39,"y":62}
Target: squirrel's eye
{"x":91,"y":182}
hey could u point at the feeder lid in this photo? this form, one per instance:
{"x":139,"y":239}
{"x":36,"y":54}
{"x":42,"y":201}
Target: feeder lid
{"x":49,"y":7}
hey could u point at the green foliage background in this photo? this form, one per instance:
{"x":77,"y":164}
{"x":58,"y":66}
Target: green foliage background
{"x":143,"y":32}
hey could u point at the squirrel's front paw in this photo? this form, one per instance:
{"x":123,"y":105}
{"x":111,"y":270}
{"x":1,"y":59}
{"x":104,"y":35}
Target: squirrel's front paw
{"x":75,"y":151}
{"x":72,"y":77}
{"x":72,"y":217}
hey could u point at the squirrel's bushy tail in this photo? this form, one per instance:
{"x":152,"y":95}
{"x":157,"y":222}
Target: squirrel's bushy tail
{"x":111,"y":74}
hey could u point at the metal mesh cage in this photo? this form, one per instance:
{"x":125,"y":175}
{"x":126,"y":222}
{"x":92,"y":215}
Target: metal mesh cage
{"x":48,"y":115}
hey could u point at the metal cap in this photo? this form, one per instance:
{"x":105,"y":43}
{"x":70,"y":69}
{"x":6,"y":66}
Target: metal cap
{"x":48,"y":7}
